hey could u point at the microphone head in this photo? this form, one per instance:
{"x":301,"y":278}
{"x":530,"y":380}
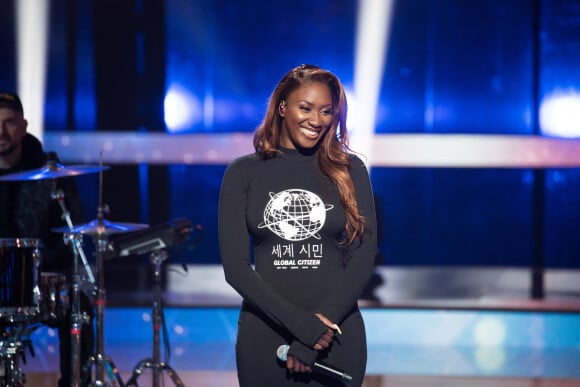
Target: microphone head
{"x":282,"y":352}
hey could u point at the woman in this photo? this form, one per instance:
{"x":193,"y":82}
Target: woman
{"x":302,"y":206}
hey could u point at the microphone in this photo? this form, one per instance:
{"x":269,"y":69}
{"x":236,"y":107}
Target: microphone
{"x":282,"y":353}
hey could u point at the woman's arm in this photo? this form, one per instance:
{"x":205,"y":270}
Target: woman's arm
{"x":360,"y":258}
{"x":235,"y":250}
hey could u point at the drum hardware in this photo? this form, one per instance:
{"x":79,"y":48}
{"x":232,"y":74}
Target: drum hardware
{"x":151,"y":239}
{"x":73,"y":238}
{"x":14,"y":340}
{"x":53,"y":170}
{"x":26,"y":301}
{"x":103,"y":227}
{"x":10,"y":372}
{"x":99,"y":359}
{"x":17,"y":339}
{"x":155,"y":241}
{"x":54,"y":297}
{"x":103,"y":363}
{"x":19,"y":273}
{"x":77,"y":317}
{"x":154,"y":363}
{"x":100,"y":229}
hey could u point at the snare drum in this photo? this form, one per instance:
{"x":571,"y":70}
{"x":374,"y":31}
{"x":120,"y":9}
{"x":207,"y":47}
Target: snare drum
{"x":20,"y":261}
{"x":54,"y":297}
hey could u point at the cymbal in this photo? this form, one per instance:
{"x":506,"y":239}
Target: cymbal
{"x":53,"y":172}
{"x":103,"y":227}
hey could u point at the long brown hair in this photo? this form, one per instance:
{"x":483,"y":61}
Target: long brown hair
{"x":333,"y":151}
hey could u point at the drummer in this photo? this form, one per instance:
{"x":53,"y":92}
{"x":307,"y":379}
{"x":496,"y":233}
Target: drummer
{"x":28,"y":210}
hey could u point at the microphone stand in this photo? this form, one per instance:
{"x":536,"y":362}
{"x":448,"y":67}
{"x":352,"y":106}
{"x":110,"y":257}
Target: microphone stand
{"x":157,"y":366}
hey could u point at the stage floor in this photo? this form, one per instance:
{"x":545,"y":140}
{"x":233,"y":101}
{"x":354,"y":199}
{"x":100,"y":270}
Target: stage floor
{"x":474,"y":328}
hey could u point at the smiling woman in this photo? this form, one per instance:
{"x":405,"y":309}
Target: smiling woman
{"x":306,"y":204}
{"x":307,"y":116}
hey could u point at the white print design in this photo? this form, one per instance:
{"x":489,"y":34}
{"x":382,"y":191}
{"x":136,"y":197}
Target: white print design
{"x":307,"y":256}
{"x":295,"y":214}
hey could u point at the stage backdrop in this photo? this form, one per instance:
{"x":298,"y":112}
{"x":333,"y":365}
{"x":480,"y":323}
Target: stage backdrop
{"x":200,"y":72}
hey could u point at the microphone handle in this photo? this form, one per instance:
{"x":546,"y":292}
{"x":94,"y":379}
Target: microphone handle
{"x":282,"y":354}
{"x":332,"y":371}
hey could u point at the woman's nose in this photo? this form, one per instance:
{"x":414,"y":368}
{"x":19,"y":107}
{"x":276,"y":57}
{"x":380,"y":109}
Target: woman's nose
{"x":314,"y":119}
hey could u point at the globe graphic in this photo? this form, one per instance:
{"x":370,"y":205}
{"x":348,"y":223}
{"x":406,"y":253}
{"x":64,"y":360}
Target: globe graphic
{"x":295,"y":214}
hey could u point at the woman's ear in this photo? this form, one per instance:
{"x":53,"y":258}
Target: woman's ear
{"x":282,"y":108}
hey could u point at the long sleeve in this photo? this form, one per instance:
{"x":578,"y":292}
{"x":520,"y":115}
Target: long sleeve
{"x":235,"y":250}
{"x":350,"y":283}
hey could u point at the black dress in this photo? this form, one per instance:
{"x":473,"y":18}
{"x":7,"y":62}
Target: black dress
{"x":286,"y":214}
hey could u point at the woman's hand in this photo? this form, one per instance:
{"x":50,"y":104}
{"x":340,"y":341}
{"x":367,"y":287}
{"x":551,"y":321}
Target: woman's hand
{"x":326,"y":339}
{"x":294,"y":364}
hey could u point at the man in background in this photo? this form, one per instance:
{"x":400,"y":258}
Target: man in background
{"x":28,"y":210}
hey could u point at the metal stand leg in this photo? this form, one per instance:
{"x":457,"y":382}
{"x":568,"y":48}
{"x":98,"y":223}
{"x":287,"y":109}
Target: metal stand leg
{"x":155,"y":363}
{"x":103,"y":363}
{"x":13,"y":343}
{"x":10,"y":353}
{"x":77,"y":317}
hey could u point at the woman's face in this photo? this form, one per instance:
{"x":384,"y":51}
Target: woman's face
{"x":306,"y":116}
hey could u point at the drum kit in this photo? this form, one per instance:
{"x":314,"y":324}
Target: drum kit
{"x":30,"y":298}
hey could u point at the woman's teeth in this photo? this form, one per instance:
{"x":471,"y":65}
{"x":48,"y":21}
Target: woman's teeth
{"x":308,"y":132}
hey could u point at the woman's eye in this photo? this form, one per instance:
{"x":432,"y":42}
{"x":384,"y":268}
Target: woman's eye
{"x":305,"y":108}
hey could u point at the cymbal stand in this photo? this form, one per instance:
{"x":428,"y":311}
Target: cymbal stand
{"x":154,"y":363}
{"x":77,"y":245}
{"x":99,"y":359}
{"x":77,"y":318}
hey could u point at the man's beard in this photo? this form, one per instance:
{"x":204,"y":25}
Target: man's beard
{"x":6,"y":151}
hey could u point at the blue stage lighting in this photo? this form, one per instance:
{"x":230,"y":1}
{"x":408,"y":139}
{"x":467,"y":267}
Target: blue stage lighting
{"x":560,"y":114}
{"x":183,"y":110}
